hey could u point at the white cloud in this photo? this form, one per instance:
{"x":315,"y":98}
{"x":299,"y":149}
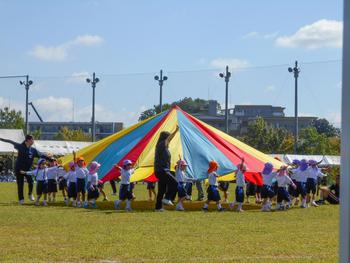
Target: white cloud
{"x":233,"y":63}
{"x":78,"y":77}
{"x":334,"y":118}
{"x":322,"y":33}
{"x":7,"y":102}
{"x":60,"y":52}
{"x":54,"y":108}
{"x":269,"y":88}
{"x":257,"y":35}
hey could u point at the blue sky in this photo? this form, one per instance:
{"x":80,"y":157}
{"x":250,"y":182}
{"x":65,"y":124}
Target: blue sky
{"x":59,"y":43}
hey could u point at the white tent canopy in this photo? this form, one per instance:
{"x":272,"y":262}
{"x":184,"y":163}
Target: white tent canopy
{"x":59,"y":147}
{"x":331,"y":160}
{"x":11,"y":134}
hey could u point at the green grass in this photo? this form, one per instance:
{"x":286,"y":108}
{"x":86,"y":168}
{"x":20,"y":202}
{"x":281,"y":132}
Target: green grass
{"x":66,"y":234}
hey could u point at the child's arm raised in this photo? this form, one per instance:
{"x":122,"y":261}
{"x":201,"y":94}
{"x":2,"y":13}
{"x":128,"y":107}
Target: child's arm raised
{"x":171,"y":136}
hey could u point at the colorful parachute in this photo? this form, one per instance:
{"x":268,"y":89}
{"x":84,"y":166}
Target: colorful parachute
{"x":196,"y":142}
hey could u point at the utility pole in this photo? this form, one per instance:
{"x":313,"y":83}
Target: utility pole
{"x":26,"y":84}
{"x":227,"y":76}
{"x":93,"y":85}
{"x":160,"y":80}
{"x":296,"y":72}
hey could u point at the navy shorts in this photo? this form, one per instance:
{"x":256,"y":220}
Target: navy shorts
{"x":72,"y":190}
{"x":223,"y":186}
{"x":282,"y":195}
{"x":239,"y":194}
{"x":213,"y":193}
{"x":267,"y":192}
{"x":151,"y":185}
{"x":52,"y":186}
{"x":258,"y":189}
{"x":80,"y":185}
{"x":251,"y":189}
{"x":301,"y":189}
{"x":181,"y":190}
{"x":62,"y":184}
{"x":93,"y":193}
{"x":125,"y":191}
{"x":291,"y":190}
{"x":41,"y":187}
{"x":311,"y":185}
{"x":275,"y":187}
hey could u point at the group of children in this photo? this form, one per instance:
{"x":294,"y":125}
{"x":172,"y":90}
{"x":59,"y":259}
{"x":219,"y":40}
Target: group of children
{"x":283,"y":184}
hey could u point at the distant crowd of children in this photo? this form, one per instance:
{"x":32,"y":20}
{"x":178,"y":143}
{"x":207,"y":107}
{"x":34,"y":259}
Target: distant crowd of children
{"x":287,"y":186}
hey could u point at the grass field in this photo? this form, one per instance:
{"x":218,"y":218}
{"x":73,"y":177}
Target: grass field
{"x":66,"y":234}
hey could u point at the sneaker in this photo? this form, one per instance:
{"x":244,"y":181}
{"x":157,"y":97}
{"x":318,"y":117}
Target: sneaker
{"x":78,"y":205}
{"x":114,"y":193}
{"x":205,"y":209}
{"x":159,"y":210}
{"x":31,"y":197}
{"x":167,"y":202}
{"x":179,"y":208}
{"x":314,"y":204}
{"x":200,"y":198}
{"x":240,"y":210}
{"x":320,"y":202}
{"x":21,"y":202}
{"x":74,"y":203}
{"x":287,"y":206}
{"x":93,"y":205}
{"x":232,"y":205}
{"x":128,"y":209}
{"x":188,"y":198}
{"x":66,"y":201}
{"x":86,"y":205}
{"x":303,"y":206}
{"x":44,"y":203}
{"x":221,"y":209}
{"x":37,"y":203}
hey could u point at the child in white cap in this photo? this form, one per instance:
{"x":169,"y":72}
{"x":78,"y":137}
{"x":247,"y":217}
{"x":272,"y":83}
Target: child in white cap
{"x":125,"y":192}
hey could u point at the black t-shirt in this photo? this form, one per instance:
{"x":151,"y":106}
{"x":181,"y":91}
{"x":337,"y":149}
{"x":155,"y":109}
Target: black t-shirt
{"x":335,"y":189}
{"x":162,"y":157}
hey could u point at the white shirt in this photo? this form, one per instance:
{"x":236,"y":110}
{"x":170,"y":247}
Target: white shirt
{"x":40,"y":174}
{"x":212,"y":178}
{"x":93,"y":179}
{"x":283,"y":180}
{"x":269,"y":178}
{"x":71,"y":177}
{"x":81,"y":172}
{"x":126,"y":174}
{"x":54,"y":172}
{"x":180,"y":176}
{"x":299,"y":176}
{"x":314,"y":173}
{"x":240,"y":180}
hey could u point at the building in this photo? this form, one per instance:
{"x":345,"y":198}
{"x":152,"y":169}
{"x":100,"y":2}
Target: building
{"x":48,"y":130}
{"x":241,"y":116}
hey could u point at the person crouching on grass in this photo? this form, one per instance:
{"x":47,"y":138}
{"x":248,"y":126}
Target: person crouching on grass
{"x":71,"y":178}
{"x":125,"y":192}
{"x":92,"y":186}
{"x":181,"y":179}
{"x":40,"y":174}
{"x":283,"y":181}
{"x":213,"y":192}
{"x":240,"y":184}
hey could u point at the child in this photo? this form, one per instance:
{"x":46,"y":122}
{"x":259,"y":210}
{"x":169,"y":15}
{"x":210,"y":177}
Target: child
{"x":283,"y":180}
{"x":93,"y":190}
{"x":299,"y":175}
{"x":181,"y":179}
{"x":71,"y":178}
{"x":40,"y":174}
{"x":240,"y":183}
{"x":313,"y":172}
{"x":52,"y":175}
{"x":223,"y":186}
{"x":81,"y":173}
{"x":213,"y":192}
{"x":151,"y":190}
{"x":293,"y":176}
{"x":62,"y":184}
{"x":125,"y":192}
{"x":267,"y":192}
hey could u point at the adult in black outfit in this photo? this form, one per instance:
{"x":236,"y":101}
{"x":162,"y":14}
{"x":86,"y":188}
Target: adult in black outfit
{"x":24,"y":162}
{"x":162,"y":168}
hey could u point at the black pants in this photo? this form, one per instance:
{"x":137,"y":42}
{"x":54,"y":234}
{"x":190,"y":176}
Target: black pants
{"x":20,"y":184}
{"x":112,"y":183}
{"x":166,"y":186}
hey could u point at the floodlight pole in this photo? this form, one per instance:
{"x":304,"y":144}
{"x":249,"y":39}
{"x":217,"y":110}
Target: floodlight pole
{"x":93,"y":123}
{"x":26,"y":84}
{"x":296,"y":72}
{"x":160,"y":80}
{"x":344,"y":229}
{"x":227,"y":76}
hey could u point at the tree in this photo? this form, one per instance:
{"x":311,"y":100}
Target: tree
{"x":11,"y":119}
{"x":312,"y":142}
{"x":324,"y":127}
{"x":66,"y":134}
